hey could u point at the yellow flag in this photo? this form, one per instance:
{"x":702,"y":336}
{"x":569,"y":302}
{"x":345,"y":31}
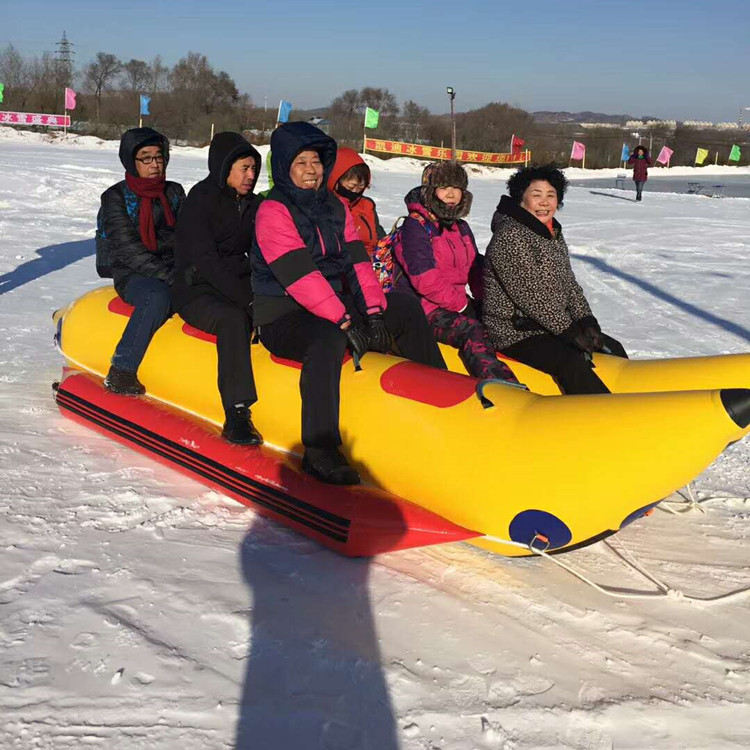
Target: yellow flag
{"x":700,"y":155}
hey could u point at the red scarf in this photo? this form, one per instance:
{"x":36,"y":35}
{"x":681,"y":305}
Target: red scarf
{"x":148,"y":189}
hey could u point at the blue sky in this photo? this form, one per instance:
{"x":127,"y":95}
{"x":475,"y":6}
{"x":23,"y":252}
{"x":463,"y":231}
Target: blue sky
{"x":683,"y":59}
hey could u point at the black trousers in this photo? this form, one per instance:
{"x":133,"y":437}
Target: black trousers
{"x":639,"y":189}
{"x":320,"y":346}
{"x":567,"y":364}
{"x":233,"y":328}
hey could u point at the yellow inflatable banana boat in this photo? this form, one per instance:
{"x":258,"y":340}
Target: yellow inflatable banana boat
{"x":638,"y":376}
{"x":570,"y":469}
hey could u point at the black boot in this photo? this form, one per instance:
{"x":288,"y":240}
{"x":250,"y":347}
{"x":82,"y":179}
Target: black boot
{"x":239,"y":427}
{"x":328,"y":465}
{"x":124,"y":383}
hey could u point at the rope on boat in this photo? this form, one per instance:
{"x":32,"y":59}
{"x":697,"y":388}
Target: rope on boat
{"x":664,"y":591}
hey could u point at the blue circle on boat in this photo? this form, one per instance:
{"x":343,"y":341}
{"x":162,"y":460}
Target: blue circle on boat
{"x":636,"y":514}
{"x":528,"y":523}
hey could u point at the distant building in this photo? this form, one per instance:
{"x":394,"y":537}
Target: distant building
{"x":320,"y":122}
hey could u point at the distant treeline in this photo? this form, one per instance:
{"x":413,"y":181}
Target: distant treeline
{"x":191,"y":96}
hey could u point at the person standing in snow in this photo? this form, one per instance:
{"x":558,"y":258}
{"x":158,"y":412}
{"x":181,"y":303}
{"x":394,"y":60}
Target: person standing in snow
{"x":135,"y":246}
{"x":439,"y":257}
{"x":316,"y":292}
{"x":212,"y":289}
{"x":534,"y":309}
{"x":640,"y":161}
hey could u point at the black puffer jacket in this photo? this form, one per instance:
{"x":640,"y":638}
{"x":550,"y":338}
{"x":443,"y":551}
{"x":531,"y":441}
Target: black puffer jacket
{"x":215,"y":230}
{"x":117,"y":223}
{"x":529,"y":285}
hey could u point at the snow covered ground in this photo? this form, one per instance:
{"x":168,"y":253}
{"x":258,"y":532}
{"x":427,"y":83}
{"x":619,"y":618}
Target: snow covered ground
{"x":139,"y":610}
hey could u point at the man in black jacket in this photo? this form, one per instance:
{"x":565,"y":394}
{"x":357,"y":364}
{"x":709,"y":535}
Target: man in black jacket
{"x":212,"y":289}
{"x":135,"y":247}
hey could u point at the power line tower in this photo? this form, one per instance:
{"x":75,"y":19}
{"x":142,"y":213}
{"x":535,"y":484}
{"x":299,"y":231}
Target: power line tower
{"x":64,"y":58}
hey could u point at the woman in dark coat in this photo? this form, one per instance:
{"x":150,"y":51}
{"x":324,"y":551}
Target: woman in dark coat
{"x":316,"y":292}
{"x":534,"y":309}
{"x":640,"y":161}
{"x":135,"y":247}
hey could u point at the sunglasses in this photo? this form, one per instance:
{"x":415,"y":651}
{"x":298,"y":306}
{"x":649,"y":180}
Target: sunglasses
{"x":149,"y":159}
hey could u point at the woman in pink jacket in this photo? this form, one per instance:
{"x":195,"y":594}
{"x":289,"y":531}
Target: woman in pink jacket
{"x":439,"y":257}
{"x":640,"y":161}
{"x":316,"y":293}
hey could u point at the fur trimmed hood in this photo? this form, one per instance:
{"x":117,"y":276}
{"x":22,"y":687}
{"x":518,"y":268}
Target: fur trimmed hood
{"x":442,"y":175}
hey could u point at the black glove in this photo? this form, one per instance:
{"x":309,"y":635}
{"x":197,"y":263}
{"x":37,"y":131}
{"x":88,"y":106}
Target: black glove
{"x":595,"y":337}
{"x":575,"y":336}
{"x":590,"y":327}
{"x":380,"y":338}
{"x":358,"y":340}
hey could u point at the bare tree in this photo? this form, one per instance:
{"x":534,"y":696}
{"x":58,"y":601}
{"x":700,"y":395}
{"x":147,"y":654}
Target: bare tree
{"x":13,"y":69}
{"x":196,"y":83}
{"x":98,"y":75}
{"x":380,"y":99}
{"x":346,"y":104}
{"x":136,"y":75}
{"x":159,"y":75}
{"x":43,"y":90}
{"x":347,"y":111}
{"x":414,"y":120}
{"x":14,"y":73}
{"x":490,"y":128}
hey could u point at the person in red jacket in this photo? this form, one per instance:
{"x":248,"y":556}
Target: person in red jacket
{"x":349,"y":179}
{"x":640,"y":161}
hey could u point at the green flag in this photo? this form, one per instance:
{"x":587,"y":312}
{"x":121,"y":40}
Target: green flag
{"x":371,"y":118}
{"x":2,"y":88}
{"x":700,"y":155}
{"x":734,"y":154}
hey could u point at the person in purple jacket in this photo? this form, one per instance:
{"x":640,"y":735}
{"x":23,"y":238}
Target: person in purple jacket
{"x":640,"y":161}
{"x":439,"y":257}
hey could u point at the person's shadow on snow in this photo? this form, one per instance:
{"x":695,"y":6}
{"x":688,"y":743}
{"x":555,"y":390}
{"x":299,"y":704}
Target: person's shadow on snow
{"x":50,"y":258}
{"x":612,"y":195}
{"x":314,"y":678}
{"x":717,"y":320}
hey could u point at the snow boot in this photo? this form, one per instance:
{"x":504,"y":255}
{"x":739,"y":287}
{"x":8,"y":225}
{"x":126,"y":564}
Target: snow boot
{"x":239,"y":428}
{"x":328,"y":465}
{"x":124,"y":383}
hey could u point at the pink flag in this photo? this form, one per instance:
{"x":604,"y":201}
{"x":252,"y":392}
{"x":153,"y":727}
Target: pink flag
{"x":579,"y":150}
{"x":664,"y":155}
{"x":70,"y":99}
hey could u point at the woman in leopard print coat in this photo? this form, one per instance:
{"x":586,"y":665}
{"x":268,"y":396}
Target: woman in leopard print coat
{"x":534,"y":309}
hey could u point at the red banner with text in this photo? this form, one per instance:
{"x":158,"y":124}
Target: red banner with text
{"x":31,"y":118}
{"x":435,"y":152}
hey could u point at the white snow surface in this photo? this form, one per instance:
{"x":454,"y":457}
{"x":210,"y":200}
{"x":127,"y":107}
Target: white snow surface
{"x":140,"y":610}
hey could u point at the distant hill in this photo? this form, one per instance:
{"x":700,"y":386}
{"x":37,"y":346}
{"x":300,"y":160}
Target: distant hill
{"x":315,"y":111}
{"x":548,"y":117}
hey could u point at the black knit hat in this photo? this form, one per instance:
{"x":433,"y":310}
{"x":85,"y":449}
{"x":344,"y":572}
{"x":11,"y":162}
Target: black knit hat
{"x":443,"y":175}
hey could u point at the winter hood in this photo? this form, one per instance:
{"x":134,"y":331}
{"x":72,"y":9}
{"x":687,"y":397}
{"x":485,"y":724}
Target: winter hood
{"x":286,"y":142}
{"x":224,"y":151}
{"x":137,"y":138}
{"x":346,"y":158}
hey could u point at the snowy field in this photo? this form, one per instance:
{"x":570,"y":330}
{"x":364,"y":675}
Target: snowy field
{"x":139,"y":610}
